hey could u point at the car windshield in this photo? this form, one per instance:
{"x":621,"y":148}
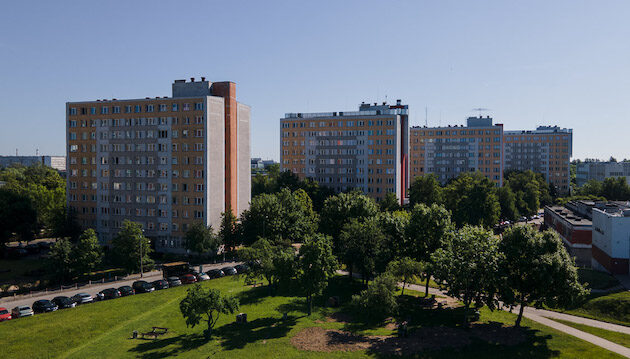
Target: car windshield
{"x":25,"y":308}
{"x":4,"y":311}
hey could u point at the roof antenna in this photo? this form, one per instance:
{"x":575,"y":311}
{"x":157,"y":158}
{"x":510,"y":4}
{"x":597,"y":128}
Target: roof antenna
{"x":426,"y":116}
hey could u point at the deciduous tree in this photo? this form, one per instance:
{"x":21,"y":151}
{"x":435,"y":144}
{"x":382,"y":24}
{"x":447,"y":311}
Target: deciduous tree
{"x":425,"y":189}
{"x":472,"y":200}
{"x":316,"y":264}
{"x":87,"y":253}
{"x":127,"y":246}
{"x":404,"y":269}
{"x":201,"y":239}
{"x":206,"y":304}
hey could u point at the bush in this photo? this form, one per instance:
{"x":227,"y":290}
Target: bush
{"x":377,"y":302}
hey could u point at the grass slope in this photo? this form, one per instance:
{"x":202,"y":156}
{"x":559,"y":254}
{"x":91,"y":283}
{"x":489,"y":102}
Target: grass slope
{"x":102,"y":330}
{"x":615,"y":337}
{"x":612,"y":308}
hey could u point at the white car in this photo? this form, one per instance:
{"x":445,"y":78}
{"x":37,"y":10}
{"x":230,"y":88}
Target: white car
{"x":82,"y":298}
{"x":21,"y":311}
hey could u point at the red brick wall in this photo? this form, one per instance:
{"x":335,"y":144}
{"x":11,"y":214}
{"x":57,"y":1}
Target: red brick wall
{"x":613,"y":265}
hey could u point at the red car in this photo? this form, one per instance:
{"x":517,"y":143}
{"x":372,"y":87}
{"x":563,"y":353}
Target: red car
{"x":4,"y":314}
{"x":188,"y":279}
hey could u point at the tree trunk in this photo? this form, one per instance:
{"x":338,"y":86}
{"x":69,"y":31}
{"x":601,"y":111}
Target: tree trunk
{"x":309,"y":300}
{"x":520,"y":313}
{"x":466,"y":305}
{"x":403,"y":289}
{"x":426,"y":288}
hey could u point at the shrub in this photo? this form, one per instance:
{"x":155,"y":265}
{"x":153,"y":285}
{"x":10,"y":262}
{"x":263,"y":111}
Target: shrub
{"x":377,"y":302}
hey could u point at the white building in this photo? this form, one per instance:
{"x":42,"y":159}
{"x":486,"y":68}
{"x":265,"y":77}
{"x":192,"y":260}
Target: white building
{"x":611,"y":237}
{"x":599,"y":171}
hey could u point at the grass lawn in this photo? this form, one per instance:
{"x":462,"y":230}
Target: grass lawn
{"x":615,"y":337}
{"x":103,"y":330}
{"x":612,"y":308}
{"x":595,"y":279}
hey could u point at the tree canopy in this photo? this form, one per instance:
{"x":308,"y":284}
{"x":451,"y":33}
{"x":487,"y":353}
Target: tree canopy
{"x":425,"y":189}
{"x":206,"y":304}
{"x":201,"y":239}
{"x":127,"y":246}
{"x":472,"y":200}
{"x":316,"y":264}
{"x":340,"y":209}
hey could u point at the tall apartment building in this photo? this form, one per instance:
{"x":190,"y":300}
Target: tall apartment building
{"x":449,"y":151}
{"x":162,"y":162}
{"x":365,"y":149}
{"x":586,"y":171}
{"x":546,"y":150}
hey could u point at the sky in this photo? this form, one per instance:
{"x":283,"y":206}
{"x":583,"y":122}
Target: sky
{"x":529,"y":63}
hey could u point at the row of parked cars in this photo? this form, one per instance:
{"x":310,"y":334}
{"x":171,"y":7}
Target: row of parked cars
{"x":140,"y":286}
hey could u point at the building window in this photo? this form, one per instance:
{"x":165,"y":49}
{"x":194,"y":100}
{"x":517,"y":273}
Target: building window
{"x":199,"y":106}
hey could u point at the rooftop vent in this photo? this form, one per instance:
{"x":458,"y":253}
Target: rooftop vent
{"x":203,"y":78}
{"x":398,"y":102}
{"x":192,"y":79}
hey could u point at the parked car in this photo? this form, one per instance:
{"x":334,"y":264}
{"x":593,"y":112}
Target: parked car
{"x":522,"y":219}
{"x":126,"y":290}
{"x":215,"y":273}
{"x":32,"y":248}
{"x":4,"y":314}
{"x":99,"y":296}
{"x":188,"y":279}
{"x":64,"y":302}
{"x":229,"y":271}
{"x":44,"y":245}
{"x":21,"y":311}
{"x":142,"y":286}
{"x":43,"y":306}
{"x":173,"y":281}
{"x":82,"y":298}
{"x":160,"y":284}
{"x":241,"y":268}
{"x":110,"y":293}
{"x":202,"y":276}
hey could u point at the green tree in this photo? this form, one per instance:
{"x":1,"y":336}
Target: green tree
{"x":60,"y":259}
{"x":404,"y":269}
{"x":472,"y":200}
{"x":364,"y":245}
{"x":468,"y":266}
{"x":425,"y":189}
{"x":206,"y":304}
{"x":228,"y":232}
{"x":591,"y":188}
{"x":615,"y":189}
{"x":87,"y":253}
{"x":537,"y":269}
{"x":507,"y":202}
{"x":316,"y":265}
{"x":274,"y":263}
{"x":65,"y":224}
{"x":18,"y":219}
{"x":530,"y":189}
{"x":389,"y":203}
{"x":201,"y":239}
{"x":394,"y":226}
{"x":378,"y":301}
{"x":340,"y":209}
{"x":127,"y":246}
{"x":428,"y":230}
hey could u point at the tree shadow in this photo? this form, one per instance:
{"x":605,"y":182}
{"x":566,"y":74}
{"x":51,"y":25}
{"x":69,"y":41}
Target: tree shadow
{"x":253,"y":295}
{"x":237,"y":335}
{"x":150,"y":349}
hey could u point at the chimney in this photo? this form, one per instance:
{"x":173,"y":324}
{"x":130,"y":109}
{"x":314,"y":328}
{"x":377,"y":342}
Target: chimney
{"x":203,"y":79}
{"x":398,"y":102}
{"x":384,"y":103}
{"x":192,"y":79}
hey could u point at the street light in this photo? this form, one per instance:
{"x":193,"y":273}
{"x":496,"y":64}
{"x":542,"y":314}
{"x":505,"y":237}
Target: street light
{"x":141,"y":271}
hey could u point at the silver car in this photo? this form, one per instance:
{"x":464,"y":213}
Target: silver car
{"x":21,"y":311}
{"x":82,"y":298}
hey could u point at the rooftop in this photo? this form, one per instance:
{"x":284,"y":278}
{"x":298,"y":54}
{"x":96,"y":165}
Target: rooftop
{"x":570,"y":216}
{"x":365,"y":109}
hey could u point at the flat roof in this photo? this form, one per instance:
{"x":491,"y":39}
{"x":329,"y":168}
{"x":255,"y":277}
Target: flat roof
{"x":569,"y":216}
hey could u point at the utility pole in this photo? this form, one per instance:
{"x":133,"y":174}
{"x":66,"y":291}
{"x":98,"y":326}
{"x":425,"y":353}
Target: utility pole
{"x":141,"y":271}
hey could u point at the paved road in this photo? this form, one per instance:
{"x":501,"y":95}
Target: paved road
{"x":8,"y":303}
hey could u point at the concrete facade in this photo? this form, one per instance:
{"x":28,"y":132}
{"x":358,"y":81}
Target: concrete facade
{"x":575,"y":230}
{"x":599,"y":171}
{"x":611,"y":238}
{"x":365,"y":149}
{"x":56,"y":162}
{"x":159,"y":162}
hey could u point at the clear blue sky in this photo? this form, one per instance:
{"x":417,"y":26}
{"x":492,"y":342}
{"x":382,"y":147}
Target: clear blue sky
{"x":530,"y":62}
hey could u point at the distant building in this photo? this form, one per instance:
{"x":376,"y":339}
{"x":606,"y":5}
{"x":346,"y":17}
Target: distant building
{"x":546,"y":150}
{"x":260,"y":164}
{"x":164,"y":162}
{"x":56,"y":162}
{"x":586,"y":171}
{"x":574,"y":228}
{"x":365,"y":149}
{"x":450,"y":151}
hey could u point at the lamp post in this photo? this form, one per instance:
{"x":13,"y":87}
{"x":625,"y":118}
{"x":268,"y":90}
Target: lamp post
{"x":141,"y":271}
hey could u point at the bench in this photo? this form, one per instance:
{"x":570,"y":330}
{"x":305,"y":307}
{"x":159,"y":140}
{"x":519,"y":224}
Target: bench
{"x":155,"y":333}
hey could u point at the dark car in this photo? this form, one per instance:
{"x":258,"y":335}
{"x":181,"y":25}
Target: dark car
{"x":44,"y":246}
{"x":126,"y":290}
{"x":188,"y":279}
{"x":43,"y":306}
{"x":98,"y":297}
{"x":173,"y":281}
{"x":110,"y":293}
{"x":160,"y":284}
{"x":142,"y":286}
{"x":64,"y":302}
{"x":229,"y":271}
{"x":32,"y":248}
{"x":82,"y":298}
{"x":241,"y":268}
{"x":215,"y":273}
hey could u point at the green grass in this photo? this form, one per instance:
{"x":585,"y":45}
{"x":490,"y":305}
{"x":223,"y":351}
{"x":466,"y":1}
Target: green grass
{"x":615,"y":337}
{"x":612,"y":308}
{"x":423,"y":282}
{"x":596,"y":280}
{"x":102,"y":330}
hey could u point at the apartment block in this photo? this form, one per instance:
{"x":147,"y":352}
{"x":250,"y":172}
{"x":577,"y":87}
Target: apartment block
{"x":450,"y":151}
{"x":365,"y":149}
{"x":164,"y":162}
{"x":546,"y":150}
{"x":599,"y":171}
